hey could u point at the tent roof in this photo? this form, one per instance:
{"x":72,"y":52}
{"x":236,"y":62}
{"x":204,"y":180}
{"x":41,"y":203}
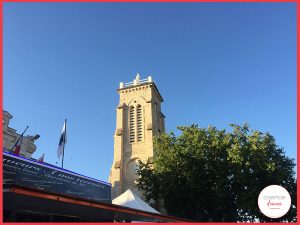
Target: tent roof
{"x":131,"y":200}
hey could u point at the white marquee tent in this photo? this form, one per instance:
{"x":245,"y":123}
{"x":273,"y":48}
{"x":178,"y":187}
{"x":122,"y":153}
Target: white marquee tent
{"x":131,"y":200}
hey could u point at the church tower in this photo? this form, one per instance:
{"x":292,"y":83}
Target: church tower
{"x":139,"y":119}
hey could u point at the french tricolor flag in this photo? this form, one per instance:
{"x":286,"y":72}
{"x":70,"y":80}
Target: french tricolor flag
{"x":18,"y":146}
{"x":41,"y":159}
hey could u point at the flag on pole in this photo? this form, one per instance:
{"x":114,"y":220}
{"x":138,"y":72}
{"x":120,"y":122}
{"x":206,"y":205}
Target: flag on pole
{"x":16,"y":149}
{"x":41,"y":159}
{"x":62,"y":141}
{"x":18,"y":146}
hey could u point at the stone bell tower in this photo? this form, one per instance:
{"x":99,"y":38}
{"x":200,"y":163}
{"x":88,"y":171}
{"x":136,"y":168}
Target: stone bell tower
{"x":139,"y":119}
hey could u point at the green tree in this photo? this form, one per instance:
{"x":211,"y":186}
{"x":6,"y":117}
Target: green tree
{"x":206,"y":174}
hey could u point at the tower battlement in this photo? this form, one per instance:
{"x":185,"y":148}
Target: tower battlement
{"x":136,"y":81}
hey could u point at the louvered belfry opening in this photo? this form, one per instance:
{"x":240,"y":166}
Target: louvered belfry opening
{"x":135,"y":124}
{"x":139,"y":122}
{"x":131,"y":124}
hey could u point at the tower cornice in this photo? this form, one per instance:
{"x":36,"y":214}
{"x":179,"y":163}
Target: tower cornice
{"x":136,"y":88}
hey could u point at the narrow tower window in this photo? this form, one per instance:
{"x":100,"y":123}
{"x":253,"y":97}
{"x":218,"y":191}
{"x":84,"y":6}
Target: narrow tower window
{"x":131,"y":124}
{"x":139,"y":122}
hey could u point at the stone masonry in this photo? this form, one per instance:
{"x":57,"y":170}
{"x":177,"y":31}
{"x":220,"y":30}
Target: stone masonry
{"x":139,"y":119}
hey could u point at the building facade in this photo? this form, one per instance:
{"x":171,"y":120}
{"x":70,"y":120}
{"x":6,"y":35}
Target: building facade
{"x":10,"y":137}
{"x":139,"y":119}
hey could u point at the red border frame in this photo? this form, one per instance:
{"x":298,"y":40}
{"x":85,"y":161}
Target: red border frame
{"x":208,"y":1}
{"x":298,"y":92}
{"x":1,"y":102}
{"x":240,"y":1}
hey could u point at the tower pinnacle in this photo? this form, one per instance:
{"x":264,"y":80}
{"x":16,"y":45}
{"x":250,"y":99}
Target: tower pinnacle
{"x":136,"y":81}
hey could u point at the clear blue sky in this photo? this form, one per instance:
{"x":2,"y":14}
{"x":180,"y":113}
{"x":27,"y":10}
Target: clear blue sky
{"x":214,"y":63}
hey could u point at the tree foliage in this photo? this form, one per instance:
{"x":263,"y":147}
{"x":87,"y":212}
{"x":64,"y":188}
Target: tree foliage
{"x":206,"y":174}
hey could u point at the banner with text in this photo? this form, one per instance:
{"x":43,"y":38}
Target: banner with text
{"x":28,"y":173}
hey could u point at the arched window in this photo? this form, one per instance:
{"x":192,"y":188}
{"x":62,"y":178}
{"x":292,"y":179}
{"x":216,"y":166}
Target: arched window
{"x":131,"y":124}
{"x":139,"y":122}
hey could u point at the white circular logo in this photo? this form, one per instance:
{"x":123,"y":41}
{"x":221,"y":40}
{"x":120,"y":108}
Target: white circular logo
{"x":274,"y":201}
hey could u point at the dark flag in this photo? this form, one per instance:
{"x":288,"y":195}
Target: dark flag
{"x":62,"y":141}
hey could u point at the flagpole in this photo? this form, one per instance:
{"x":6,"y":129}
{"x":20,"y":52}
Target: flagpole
{"x":19,"y":138}
{"x":62,"y":162}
